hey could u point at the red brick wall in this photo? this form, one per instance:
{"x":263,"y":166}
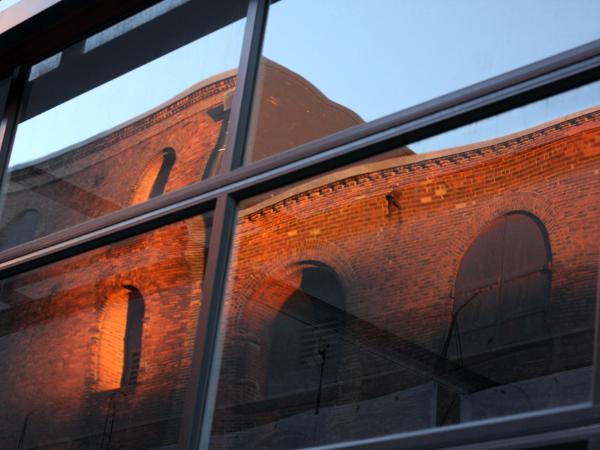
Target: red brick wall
{"x":103,"y":175}
{"x":51,"y":337}
{"x":398,"y":265}
{"x":50,"y":340}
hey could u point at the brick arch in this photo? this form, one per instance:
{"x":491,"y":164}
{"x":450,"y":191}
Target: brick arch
{"x":483,"y":287}
{"x":108,"y":369}
{"x":311,"y":250}
{"x":249,"y":322}
{"x":109,"y":348}
{"x":157,"y":172}
{"x":528,"y":203}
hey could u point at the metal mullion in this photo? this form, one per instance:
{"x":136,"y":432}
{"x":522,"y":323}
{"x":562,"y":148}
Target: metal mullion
{"x":427,"y":119}
{"x":246,"y":81}
{"x":413,"y":124}
{"x":482,"y":432}
{"x":585,"y":433}
{"x":169,"y":207}
{"x":421,"y":122}
{"x":207,"y":332}
{"x":10,"y":118}
{"x":196,"y":431}
{"x":129,"y":224}
{"x":58,"y":26}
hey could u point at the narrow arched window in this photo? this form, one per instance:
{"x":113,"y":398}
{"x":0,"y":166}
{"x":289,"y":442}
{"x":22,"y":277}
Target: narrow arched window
{"x":306,"y":335}
{"x":120,"y":343}
{"x":21,"y":229}
{"x":503,"y":287}
{"x":168,"y":159}
{"x":153,"y":181}
{"x":133,"y":337}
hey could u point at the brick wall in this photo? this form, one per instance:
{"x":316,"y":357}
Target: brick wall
{"x":396,"y":262}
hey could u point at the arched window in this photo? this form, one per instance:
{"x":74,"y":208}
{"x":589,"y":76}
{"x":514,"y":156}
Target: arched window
{"x":120,"y":343}
{"x":503,"y":287}
{"x":133,"y":337}
{"x":155,"y":178}
{"x":168,"y":159}
{"x":306,"y":335}
{"x":21,"y":229}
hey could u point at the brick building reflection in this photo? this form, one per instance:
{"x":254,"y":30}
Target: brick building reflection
{"x":404,"y":292}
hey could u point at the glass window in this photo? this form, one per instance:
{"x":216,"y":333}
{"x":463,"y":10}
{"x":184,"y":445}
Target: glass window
{"x":330,"y":66}
{"x":95,"y":350}
{"x":141,"y":112}
{"x":448,"y":281}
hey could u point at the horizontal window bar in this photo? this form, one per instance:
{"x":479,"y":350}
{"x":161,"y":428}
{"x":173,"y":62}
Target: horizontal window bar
{"x":535,"y":442}
{"x":449,"y":111}
{"x":82,"y":69}
{"x":54,"y":28}
{"x":484,"y":431}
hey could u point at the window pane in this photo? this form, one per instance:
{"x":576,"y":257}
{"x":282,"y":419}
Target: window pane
{"x":328,"y":67}
{"x":448,"y":281}
{"x":95,"y":350}
{"x":124,"y":116}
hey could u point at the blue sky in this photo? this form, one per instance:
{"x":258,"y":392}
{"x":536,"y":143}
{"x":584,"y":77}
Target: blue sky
{"x":4,"y":4}
{"x":374,"y":57}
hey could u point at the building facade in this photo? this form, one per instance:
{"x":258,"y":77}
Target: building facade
{"x":181,"y":281}
{"x":332,"y":316}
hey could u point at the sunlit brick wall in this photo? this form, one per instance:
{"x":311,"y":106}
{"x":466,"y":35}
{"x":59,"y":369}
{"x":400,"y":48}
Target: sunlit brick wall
{"x":398,"y":262}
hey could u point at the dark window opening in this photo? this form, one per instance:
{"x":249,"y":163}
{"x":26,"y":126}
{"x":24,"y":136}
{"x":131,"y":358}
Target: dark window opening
{"x":158,"y":188}
{"x":133,"y":337}
{"x":503,"y":287}
{"x":502,"y":295}
{"x":306,"y":335}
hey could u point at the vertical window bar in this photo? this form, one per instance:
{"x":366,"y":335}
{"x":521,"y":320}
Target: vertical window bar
{"x":10,"y":118}
{"x":248,"y":69}
{"x":195,"y":430}
{"x":195,"y":413}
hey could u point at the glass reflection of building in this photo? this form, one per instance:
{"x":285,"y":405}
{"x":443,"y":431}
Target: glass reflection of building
{"x":451,"y":284}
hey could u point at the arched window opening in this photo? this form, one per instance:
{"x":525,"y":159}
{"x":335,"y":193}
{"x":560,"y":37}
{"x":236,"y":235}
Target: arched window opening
{"x":133,"y":337}
{"x":155,"y":178}
{"x":219,"y":113}
{"x":306,"y":335}
{"x":158,"y":188}
{"x":502,"y":288}
{"x":21,"y":229}
{"x":120,"y":343}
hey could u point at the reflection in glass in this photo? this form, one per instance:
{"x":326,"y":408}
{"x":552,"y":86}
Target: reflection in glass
{"x":376,"y":58}
{"x":95,"y":350}
{"x":418,"y":290}
{"x":154,"y":129}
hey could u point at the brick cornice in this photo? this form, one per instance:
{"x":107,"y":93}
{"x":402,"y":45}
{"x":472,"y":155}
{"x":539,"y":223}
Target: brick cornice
{"x":551,"y":133}
{"x":96,"y":144}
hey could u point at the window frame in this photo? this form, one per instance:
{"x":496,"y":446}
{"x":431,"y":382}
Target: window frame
{"x":236,"y":182}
